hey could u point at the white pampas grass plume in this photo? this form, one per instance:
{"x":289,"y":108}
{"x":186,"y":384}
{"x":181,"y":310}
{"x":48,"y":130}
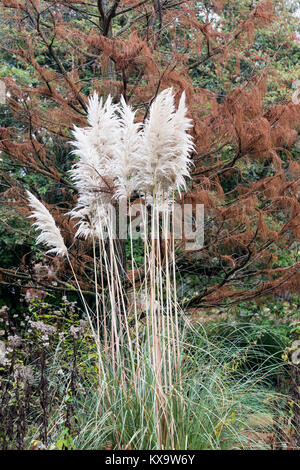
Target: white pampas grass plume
{"x":127,"y":163}
{"x":117,"y":157}
{"x":167,"y":145}
{"x":92,"y":213}
{"x":50,"y":234}
{"x":96,"y":146}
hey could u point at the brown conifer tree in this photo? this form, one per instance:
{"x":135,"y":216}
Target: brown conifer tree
{"x":244,"y":172}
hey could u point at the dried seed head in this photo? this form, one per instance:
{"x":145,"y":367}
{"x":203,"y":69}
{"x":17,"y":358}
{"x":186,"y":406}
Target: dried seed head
{"x":50,"y":234}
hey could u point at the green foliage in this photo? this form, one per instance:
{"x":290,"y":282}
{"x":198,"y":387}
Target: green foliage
{"x":226,"y":399}
{"x":138,"y":252}
{"x":65,"y":441}
{"x":12,"y":242}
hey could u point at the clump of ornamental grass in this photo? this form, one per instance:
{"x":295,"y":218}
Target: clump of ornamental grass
{"x":116,"y":157}
{"x":221,"y":404}
{"x":225,"y":399}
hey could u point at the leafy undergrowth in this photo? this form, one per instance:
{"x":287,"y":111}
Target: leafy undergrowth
{"x":233,"y":393}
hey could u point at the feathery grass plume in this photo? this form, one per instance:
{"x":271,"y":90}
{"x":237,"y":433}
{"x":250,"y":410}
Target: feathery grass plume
{"x":167,"y":145}
{"x":116,"y":157}
{"x":128,"y":162}
{"x":96,"y":146}
{"x":50,"y":234}
{"x":94,"y":213}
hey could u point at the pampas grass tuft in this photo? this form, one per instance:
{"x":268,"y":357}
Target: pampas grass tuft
{"x":167,"y":146}
{"x":118,"y":157}
{"x":50,"y":234}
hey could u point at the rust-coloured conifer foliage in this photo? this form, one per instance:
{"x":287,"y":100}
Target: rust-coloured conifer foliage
{"x":138,"y":48}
